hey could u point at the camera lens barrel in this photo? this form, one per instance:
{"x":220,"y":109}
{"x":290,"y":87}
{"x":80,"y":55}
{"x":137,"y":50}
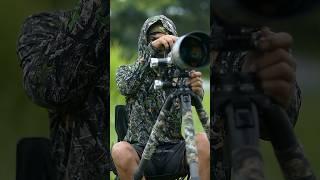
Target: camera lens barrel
{"x":191,"y":51}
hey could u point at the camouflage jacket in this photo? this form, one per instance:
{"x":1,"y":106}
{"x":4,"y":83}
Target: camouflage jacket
{"x":135,"y":81}
{"x":229,"y":62}
{"x":64,"y":59}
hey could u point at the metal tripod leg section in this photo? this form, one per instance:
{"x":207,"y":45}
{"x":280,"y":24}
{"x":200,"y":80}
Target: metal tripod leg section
{"x":191,"y":149}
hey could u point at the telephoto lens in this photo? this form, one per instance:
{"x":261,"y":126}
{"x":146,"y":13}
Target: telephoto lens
{"x":191,"y":51}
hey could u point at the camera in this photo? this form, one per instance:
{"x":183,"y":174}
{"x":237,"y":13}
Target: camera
{"x":189,"y":52}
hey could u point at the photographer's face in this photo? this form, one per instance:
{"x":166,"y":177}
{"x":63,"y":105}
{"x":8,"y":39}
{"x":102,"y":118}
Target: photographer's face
{"x":154,"y":37}
{"x":157,"y":44}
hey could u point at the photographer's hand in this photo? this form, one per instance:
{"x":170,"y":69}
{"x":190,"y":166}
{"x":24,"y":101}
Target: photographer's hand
{"x":163,"y":42}
{"x":274,"y":65}
{"x":196,"y":82}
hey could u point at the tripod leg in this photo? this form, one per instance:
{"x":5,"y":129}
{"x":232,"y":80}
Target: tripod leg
{"x":203,"y":117}
{"x":153,"y":141}
{"x":151,"y":145}
{"x":204,"y":120}
{"x":294,"y":164}
{"x":243,"y":129}
{"x":191,"y":149}
{"x":289,"y":153}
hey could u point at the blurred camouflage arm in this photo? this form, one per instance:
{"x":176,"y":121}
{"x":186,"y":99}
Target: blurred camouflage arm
{"x":62,"y":54}
{"x":130,"y":77}
{"x":295,"y":104}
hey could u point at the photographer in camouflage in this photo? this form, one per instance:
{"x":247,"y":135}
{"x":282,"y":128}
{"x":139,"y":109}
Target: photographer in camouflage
{"x":64,"y":57}
{"x":135,"y":81}
{"x":275,"y":68}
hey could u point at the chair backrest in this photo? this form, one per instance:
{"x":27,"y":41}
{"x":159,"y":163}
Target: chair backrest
{"x":121,"y":126}
{"x":34,"y":160}
{"x":121,"y":121}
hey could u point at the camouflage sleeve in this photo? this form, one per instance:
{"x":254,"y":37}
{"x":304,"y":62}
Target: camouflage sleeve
{"x":295,"y":104}
{"x":62,"y":53}
{"x":130,"y":77}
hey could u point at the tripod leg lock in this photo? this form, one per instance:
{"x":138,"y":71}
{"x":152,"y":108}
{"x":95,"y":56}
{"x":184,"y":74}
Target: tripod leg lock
{"x":193,"y":166}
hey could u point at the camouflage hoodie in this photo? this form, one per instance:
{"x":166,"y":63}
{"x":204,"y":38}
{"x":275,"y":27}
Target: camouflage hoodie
{"x":135,"y":81}
{"x":64,"y":59}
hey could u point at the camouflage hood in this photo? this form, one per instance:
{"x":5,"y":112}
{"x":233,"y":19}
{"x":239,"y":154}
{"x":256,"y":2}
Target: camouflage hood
{"x":143,"y":42}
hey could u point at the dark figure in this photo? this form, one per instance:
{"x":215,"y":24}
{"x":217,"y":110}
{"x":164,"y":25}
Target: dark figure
{"x":275,"y":68}
{"x":64,"y":59}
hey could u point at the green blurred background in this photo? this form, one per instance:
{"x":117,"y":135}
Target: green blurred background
{"x":21,"y":118}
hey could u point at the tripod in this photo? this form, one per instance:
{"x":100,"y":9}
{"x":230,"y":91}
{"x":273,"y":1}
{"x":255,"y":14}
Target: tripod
{"x":186,"y":96}
{"x":239,"y":102}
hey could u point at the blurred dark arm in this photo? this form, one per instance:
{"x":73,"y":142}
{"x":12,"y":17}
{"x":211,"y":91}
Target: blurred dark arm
{"x":63,"y":54}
